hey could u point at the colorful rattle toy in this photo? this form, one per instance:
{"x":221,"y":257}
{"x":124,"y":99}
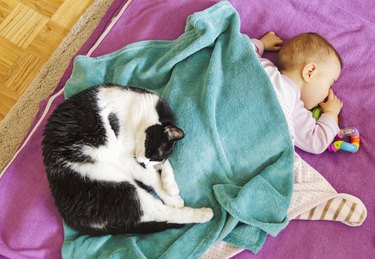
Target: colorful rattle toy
{"x":342,"y":145}
{"x":339,"y":143}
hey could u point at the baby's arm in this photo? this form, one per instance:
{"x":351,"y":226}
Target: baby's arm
{"x":310,"y":135}
{"x":269,"y":42}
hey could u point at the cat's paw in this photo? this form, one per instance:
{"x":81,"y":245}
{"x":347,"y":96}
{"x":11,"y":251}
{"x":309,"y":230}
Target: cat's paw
{"x":174,"y":201}
{"x":167,"y":178}
{"x":170,"y":186}
{"x":202,"y":215}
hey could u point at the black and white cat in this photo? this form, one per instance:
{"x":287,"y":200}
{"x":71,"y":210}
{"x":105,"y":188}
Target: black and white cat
{"x":104,"y":150}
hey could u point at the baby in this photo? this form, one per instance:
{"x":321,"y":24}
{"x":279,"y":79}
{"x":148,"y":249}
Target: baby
{"x":308,"y":65}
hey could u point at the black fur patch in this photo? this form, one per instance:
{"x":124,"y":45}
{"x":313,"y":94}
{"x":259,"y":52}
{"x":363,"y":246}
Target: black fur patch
{"x":114,"y":122}
{"x":166,"y":116}
{"x":143,"y":165}
{"x":144,"y":187}
{"x":118,"y":202}
{"x":74,"y":123}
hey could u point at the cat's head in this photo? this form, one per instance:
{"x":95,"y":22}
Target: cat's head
{"x":158,"y":142}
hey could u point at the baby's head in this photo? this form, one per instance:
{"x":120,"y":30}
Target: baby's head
{"x":312,"y":63}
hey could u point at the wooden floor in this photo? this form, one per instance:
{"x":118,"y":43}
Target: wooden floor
{"x":30,"y":30}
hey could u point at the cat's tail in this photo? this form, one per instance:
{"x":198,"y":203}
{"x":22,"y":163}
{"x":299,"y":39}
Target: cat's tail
{"x":155,"y":226}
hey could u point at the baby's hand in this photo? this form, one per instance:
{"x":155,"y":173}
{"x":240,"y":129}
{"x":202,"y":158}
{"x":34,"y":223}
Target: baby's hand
{"x":271,"y":42}
{"x":332,"y":106}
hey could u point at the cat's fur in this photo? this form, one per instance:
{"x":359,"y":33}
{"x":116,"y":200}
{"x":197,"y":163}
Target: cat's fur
{"x":104,"y":149}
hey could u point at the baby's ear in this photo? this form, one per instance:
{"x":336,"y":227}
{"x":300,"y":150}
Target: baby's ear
{"x":309,"y":70}
{"x":174,"y":133}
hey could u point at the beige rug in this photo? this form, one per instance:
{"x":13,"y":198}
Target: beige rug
{"x":16,"y":123}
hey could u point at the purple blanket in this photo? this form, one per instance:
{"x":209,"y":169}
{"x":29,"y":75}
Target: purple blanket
{"x":30,"y":226}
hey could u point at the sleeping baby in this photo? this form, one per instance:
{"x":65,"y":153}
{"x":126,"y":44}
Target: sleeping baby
{"x":307,"y":67}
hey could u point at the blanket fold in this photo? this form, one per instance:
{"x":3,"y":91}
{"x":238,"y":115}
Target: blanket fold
{"x":313,"y":199}
{"x":237,"y":155}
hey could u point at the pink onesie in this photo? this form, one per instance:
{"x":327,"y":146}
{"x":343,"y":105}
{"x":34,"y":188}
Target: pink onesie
{"x":310,"y":135}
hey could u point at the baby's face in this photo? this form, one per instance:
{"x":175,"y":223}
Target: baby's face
{"x":317,"y":89}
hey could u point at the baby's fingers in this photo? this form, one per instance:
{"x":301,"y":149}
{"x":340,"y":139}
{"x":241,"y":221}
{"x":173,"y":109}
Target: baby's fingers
{"x":331,"y":95}
{"x":336,"y":99}
{"x":276,"y":47}
{"x":277,"y":43}
{"x":340,"y":102}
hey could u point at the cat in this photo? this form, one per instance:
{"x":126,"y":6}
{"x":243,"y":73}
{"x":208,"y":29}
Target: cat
{"x":105,"y":149}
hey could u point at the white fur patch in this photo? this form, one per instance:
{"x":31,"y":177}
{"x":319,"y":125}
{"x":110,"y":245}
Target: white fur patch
{"x":155,"y":210}
{"x":115,"y":161}
{"x":98,"y":226}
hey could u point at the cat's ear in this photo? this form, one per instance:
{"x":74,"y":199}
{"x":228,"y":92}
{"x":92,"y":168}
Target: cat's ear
{"x":174,"y":133}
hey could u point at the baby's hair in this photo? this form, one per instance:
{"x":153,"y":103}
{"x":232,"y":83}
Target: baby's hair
{"x":305,"y":48}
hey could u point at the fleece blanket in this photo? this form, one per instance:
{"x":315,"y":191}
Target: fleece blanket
{"x":237,"y":156}
{"x":30,"y":226}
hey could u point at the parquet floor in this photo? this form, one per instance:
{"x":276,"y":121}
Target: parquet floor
{"x":30,"y":30}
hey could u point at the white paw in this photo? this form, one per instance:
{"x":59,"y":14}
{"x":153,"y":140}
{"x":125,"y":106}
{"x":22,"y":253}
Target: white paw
{"x":203,"y":215}
{"x":167,"y":177}
{"x":174,"y":201}
{"x":170,"y":186}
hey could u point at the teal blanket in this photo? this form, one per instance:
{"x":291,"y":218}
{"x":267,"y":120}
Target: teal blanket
{"x":236,"y":157}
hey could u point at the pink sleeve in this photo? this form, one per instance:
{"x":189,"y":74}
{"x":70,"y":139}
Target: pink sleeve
{"x":310,"y":135}
{"x":258,"y":46}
